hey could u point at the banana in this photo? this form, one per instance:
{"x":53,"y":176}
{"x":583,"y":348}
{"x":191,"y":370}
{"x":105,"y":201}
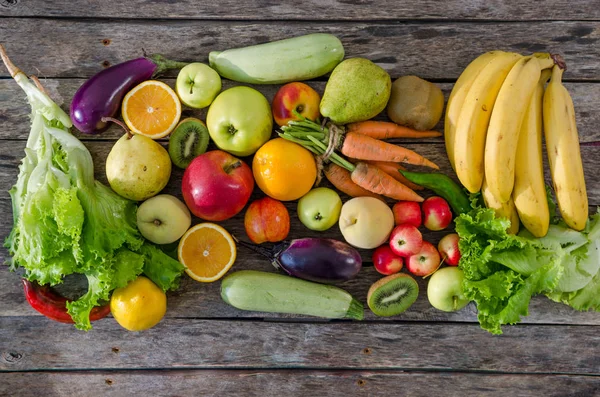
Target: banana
{"x":502,"y":209}
{"x":505,"y":123}
{"x":564,"y":156}
{"x":457,"y":97}
{"x":529,"y":192}
{"x":471,"y":128}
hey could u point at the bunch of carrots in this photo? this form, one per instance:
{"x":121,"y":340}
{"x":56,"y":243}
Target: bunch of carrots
{"x":371,"y":165}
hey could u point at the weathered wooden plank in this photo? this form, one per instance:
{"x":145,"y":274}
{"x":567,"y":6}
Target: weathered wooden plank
{"x":80,"y":48}
{"x":193,"y":343}
{"x":266,"y":383}
{"x":307,"y":10}
{"x":14,"y":111}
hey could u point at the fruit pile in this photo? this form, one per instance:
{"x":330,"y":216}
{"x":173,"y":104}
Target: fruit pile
{"x":493,"y":134}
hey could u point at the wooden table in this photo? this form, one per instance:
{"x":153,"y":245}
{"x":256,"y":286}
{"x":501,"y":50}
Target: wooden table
{"x":203,"y":346}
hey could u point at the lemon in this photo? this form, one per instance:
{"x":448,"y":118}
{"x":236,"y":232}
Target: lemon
{"x":139,"y":305}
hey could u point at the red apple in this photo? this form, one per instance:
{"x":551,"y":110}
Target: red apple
{"x":267,"y":220}
{"x":436,"y":213}
{"x":297,"y":96}
{"x":407,"y":212}
{"x":406,"y":240}
{"x":385,"y":261}
{"x":216,"y":185}
{"x":448,"y":247}
{"x":425,"y":261}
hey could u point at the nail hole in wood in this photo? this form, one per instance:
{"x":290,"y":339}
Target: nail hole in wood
{"x":8,"y":3}
{"x":108,"y":382}
{"x":367,"y":350}
{"x":115,"y":349}
{"x":106,"y":41}
{"x":361,"y":382}
{"x":106,"y":64}
{"x":12,"y":357}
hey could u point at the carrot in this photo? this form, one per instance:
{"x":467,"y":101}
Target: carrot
{"x":387,"y":130}
{"x":364,"y":147}
{"x":392,"y":170}
{"x":375,"y":180}
{"x":340,"y":178}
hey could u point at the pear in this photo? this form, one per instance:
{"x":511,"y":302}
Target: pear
{"x":137,"y":167}
{"x":357,"y":90}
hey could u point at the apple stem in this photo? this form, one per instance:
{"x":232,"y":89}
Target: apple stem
{"x":119,"y":123}
{"x":230,"y":167}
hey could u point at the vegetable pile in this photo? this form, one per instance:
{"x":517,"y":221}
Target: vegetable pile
{"x":66,"y":222}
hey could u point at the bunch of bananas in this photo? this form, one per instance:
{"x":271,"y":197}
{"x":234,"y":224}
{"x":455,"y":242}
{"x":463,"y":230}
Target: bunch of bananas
{"x":493,"y":131}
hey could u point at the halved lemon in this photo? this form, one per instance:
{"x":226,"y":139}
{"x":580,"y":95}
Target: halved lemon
{"x":207,"y":251}
{"x":152,"y":109}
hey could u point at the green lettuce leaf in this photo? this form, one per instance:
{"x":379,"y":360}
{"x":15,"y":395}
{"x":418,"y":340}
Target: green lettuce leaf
{"x":66,"y":222}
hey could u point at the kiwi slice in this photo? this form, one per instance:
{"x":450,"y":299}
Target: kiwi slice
{"x":392,"y":295}
{"x":188,"y":141}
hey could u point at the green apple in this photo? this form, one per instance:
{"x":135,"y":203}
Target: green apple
{"x":239,"y":120}
{"x":163,"y":219}
{"x":319,"y":209}
{"x":197,"y":85}
{"x":445,"y":291}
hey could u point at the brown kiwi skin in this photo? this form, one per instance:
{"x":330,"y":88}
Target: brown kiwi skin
{"x":188,"y":119}
{"x":384,"y":281}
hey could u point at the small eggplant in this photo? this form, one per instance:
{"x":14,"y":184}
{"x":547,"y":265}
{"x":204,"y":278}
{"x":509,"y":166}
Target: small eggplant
{"x":321,"y":260}
{"x":102,"y":94}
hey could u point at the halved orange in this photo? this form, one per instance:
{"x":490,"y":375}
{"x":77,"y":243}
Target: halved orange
{"x":151,"y":108}
{"x":207,"y":251}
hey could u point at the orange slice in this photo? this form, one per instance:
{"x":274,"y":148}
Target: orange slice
{"x":207,"y":251}
{"x":152,"y":109}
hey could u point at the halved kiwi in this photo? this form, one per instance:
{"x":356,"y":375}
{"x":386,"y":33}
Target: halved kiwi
{"x":188,"y":141}
{"x":392,"y":295}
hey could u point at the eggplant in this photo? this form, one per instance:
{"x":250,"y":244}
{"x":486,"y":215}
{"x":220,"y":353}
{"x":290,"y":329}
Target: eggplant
{"x":321,"y":260}
{"x":101,"y":95}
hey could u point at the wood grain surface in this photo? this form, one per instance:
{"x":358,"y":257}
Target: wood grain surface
{"x":306,"y":10}
{"x":276,"y":383}
{"x":203,"y":344}
{"x":81,"y":47}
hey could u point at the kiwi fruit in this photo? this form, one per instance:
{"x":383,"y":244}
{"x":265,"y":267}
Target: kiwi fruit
{"x":392,"y":295}
{"x":415,"y":103}
{"x":188,"y":141}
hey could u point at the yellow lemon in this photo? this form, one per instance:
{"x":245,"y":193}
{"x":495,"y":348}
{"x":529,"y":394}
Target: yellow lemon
{"x":139,"y":305}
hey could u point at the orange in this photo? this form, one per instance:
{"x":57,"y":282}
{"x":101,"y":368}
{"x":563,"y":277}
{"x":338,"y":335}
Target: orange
{"x":152,"y":109}
{"x":207,"y":251}
{"x":284,"y":170}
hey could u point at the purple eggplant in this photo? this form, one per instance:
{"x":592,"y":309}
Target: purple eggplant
{"x":321,"y":260}
{"x":101,"y":95}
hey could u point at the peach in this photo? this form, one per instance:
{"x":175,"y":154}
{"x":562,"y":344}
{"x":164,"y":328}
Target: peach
{"x":295,"y":96}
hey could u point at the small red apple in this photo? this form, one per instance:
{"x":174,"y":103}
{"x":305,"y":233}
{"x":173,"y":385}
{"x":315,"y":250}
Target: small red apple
{"x":448,"y":247}
{"x":436,"y":213}
{"x":299,"y":96}
{"x":267,"y":219}
{"x":425,"y":261}
{"x":407,"y":212}
{"x":385,"y":261}
{"x":406,"y":240}
{"x":216,"y":185}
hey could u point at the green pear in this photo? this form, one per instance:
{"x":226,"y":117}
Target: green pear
{"x":137,"y":167}
{"x":357,"y":90}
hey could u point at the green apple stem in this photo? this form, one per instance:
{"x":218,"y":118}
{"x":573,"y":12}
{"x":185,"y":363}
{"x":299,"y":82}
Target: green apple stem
{"x":119,"y":123}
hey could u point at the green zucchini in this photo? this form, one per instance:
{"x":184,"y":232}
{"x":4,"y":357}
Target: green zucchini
{"x":294,"y":59}
{"x":276,"y":293}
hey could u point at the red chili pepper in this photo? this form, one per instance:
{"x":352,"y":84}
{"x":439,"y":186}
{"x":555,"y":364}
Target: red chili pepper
{"x":53,"y":305}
